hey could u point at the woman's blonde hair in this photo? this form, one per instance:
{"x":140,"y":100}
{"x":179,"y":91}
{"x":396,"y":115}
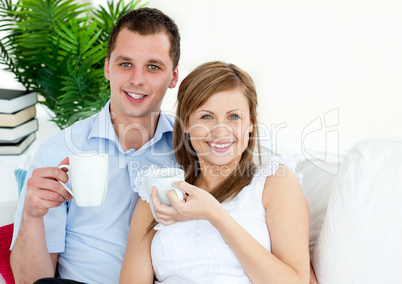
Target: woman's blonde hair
{"x":202,"y":83}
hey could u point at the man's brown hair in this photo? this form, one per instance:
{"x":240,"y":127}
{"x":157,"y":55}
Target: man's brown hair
{"x":148,"y":21}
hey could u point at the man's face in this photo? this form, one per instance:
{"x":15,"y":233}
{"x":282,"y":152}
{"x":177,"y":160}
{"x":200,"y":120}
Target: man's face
{"x":140,"y":71}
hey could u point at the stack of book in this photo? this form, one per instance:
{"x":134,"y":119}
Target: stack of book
{"x":17,"y":120}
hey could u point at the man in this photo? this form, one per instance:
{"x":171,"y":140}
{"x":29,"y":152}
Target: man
{"x":87,"y":244}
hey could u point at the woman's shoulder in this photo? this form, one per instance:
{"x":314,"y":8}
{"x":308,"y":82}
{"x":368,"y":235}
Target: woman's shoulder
{"x":279,"y":179}
{"x":282,"y":188}
{"x":277,"y":167}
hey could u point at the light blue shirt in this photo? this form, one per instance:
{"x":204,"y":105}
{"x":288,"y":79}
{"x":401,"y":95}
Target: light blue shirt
{"x":91,"y":241}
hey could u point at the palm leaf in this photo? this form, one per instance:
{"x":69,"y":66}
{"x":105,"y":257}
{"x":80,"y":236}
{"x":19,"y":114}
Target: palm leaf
{"x":57,"y":48}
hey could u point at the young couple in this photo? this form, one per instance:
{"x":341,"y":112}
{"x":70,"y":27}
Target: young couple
{"x":239,"y":223}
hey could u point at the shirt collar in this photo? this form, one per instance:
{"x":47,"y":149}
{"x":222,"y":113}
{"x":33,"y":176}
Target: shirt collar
{"x":165,"y":124}
{"x":103,"y":127}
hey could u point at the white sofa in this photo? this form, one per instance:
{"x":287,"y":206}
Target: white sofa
{"x":360,"y":240}
{"x":355,"y":203}
{"x":355,"y":211}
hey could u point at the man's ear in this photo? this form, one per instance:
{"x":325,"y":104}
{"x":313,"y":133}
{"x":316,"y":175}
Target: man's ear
{"x":107,"y":73}
{"x":175,"y":77}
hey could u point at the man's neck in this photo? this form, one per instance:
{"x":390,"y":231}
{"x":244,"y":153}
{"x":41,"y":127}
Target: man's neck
{"x":134,"y":132}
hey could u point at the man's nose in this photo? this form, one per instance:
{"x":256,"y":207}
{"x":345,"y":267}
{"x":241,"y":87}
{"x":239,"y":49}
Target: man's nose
{"x":137,"y":77}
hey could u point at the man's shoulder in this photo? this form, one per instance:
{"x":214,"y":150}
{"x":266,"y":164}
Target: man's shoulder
{"x":78,"y":130}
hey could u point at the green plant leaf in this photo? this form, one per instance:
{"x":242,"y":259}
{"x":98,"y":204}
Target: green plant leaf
{"x":57,"y":48}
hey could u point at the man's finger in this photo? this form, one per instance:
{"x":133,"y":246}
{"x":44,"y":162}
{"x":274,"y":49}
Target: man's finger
{"x":51,"y":204}
{"x":52,"y":185}
{"x":66,"y":161}
{"x":52,"y":196}
{"x":50,"y":173}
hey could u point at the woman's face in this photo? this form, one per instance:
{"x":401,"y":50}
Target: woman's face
{"x":219,"y":129}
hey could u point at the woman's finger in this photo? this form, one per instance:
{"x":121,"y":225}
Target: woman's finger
{"x":167,"y":222}
{"x":174,"y":199}
{"x":186,"y":187}
{"x":154,"y":196}
{"x":162,"y":209}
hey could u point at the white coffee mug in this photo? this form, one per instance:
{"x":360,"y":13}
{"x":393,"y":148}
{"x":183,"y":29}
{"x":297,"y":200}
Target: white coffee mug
{"x":162,"y":179}
{"x":89,"y":178}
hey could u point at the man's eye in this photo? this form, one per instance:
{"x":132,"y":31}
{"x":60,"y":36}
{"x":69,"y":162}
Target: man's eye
{"x":234,"y":116}
{"x":207,"y":116}
{"x":153,"y":67}
{"x":126,"y":64}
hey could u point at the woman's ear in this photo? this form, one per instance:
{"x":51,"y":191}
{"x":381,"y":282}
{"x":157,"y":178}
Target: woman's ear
{"x":251,"y":126}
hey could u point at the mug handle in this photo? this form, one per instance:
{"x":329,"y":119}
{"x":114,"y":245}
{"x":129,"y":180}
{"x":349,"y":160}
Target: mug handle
{"x":62,"y":183}
{"x":179,"y":192}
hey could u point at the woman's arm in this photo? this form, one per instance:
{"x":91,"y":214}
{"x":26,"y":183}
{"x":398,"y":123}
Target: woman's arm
{"x":313,"y":278}
{"x":287,"y":220}
{"x":137,"y":264}
{"x":288,"y":224}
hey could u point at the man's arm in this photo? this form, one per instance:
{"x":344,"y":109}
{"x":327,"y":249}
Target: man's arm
{"x":30,"y":259}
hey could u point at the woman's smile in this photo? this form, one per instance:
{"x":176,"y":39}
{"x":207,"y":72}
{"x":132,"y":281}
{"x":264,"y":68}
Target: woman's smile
{"x":220,"y":147}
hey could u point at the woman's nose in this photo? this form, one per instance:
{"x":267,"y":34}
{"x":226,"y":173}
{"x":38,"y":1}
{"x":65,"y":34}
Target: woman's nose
{"x":221,"y":129}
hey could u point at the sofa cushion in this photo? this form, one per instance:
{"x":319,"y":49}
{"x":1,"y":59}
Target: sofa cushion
{"x":317,"y":186}
{"x":361,"y":236}
{"x":7,"y":212}
{"x":6,"y":234}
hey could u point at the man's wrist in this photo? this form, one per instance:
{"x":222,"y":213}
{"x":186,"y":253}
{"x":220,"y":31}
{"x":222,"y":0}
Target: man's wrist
{"x":31,"y":220}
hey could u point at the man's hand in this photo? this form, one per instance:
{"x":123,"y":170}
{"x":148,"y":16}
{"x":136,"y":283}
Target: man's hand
{"x":44,"y":191}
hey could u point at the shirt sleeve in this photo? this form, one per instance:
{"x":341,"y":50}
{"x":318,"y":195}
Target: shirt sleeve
{"x":55,"y":219}
{"x":140,"y":187}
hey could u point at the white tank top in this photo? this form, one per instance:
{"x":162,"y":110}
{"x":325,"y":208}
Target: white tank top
{"x":194,"y":251}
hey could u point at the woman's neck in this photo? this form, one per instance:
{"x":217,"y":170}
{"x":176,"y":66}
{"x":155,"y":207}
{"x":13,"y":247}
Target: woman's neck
{"x":212,"y":175}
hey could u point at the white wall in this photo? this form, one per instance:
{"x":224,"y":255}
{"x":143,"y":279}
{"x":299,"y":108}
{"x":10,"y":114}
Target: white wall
{"x":308,"y":58}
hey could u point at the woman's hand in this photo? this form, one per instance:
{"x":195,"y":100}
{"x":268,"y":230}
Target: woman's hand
{"x":198,"y":205}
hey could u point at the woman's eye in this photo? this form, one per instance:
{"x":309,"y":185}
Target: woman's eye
{"x":125,"y":64}
{"x":207,"y":116}
{"x":234,"y":116}
{"x":153,"y":67}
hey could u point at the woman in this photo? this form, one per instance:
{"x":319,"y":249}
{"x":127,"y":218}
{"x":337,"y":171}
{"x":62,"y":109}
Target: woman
{"x":240,"y":223}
